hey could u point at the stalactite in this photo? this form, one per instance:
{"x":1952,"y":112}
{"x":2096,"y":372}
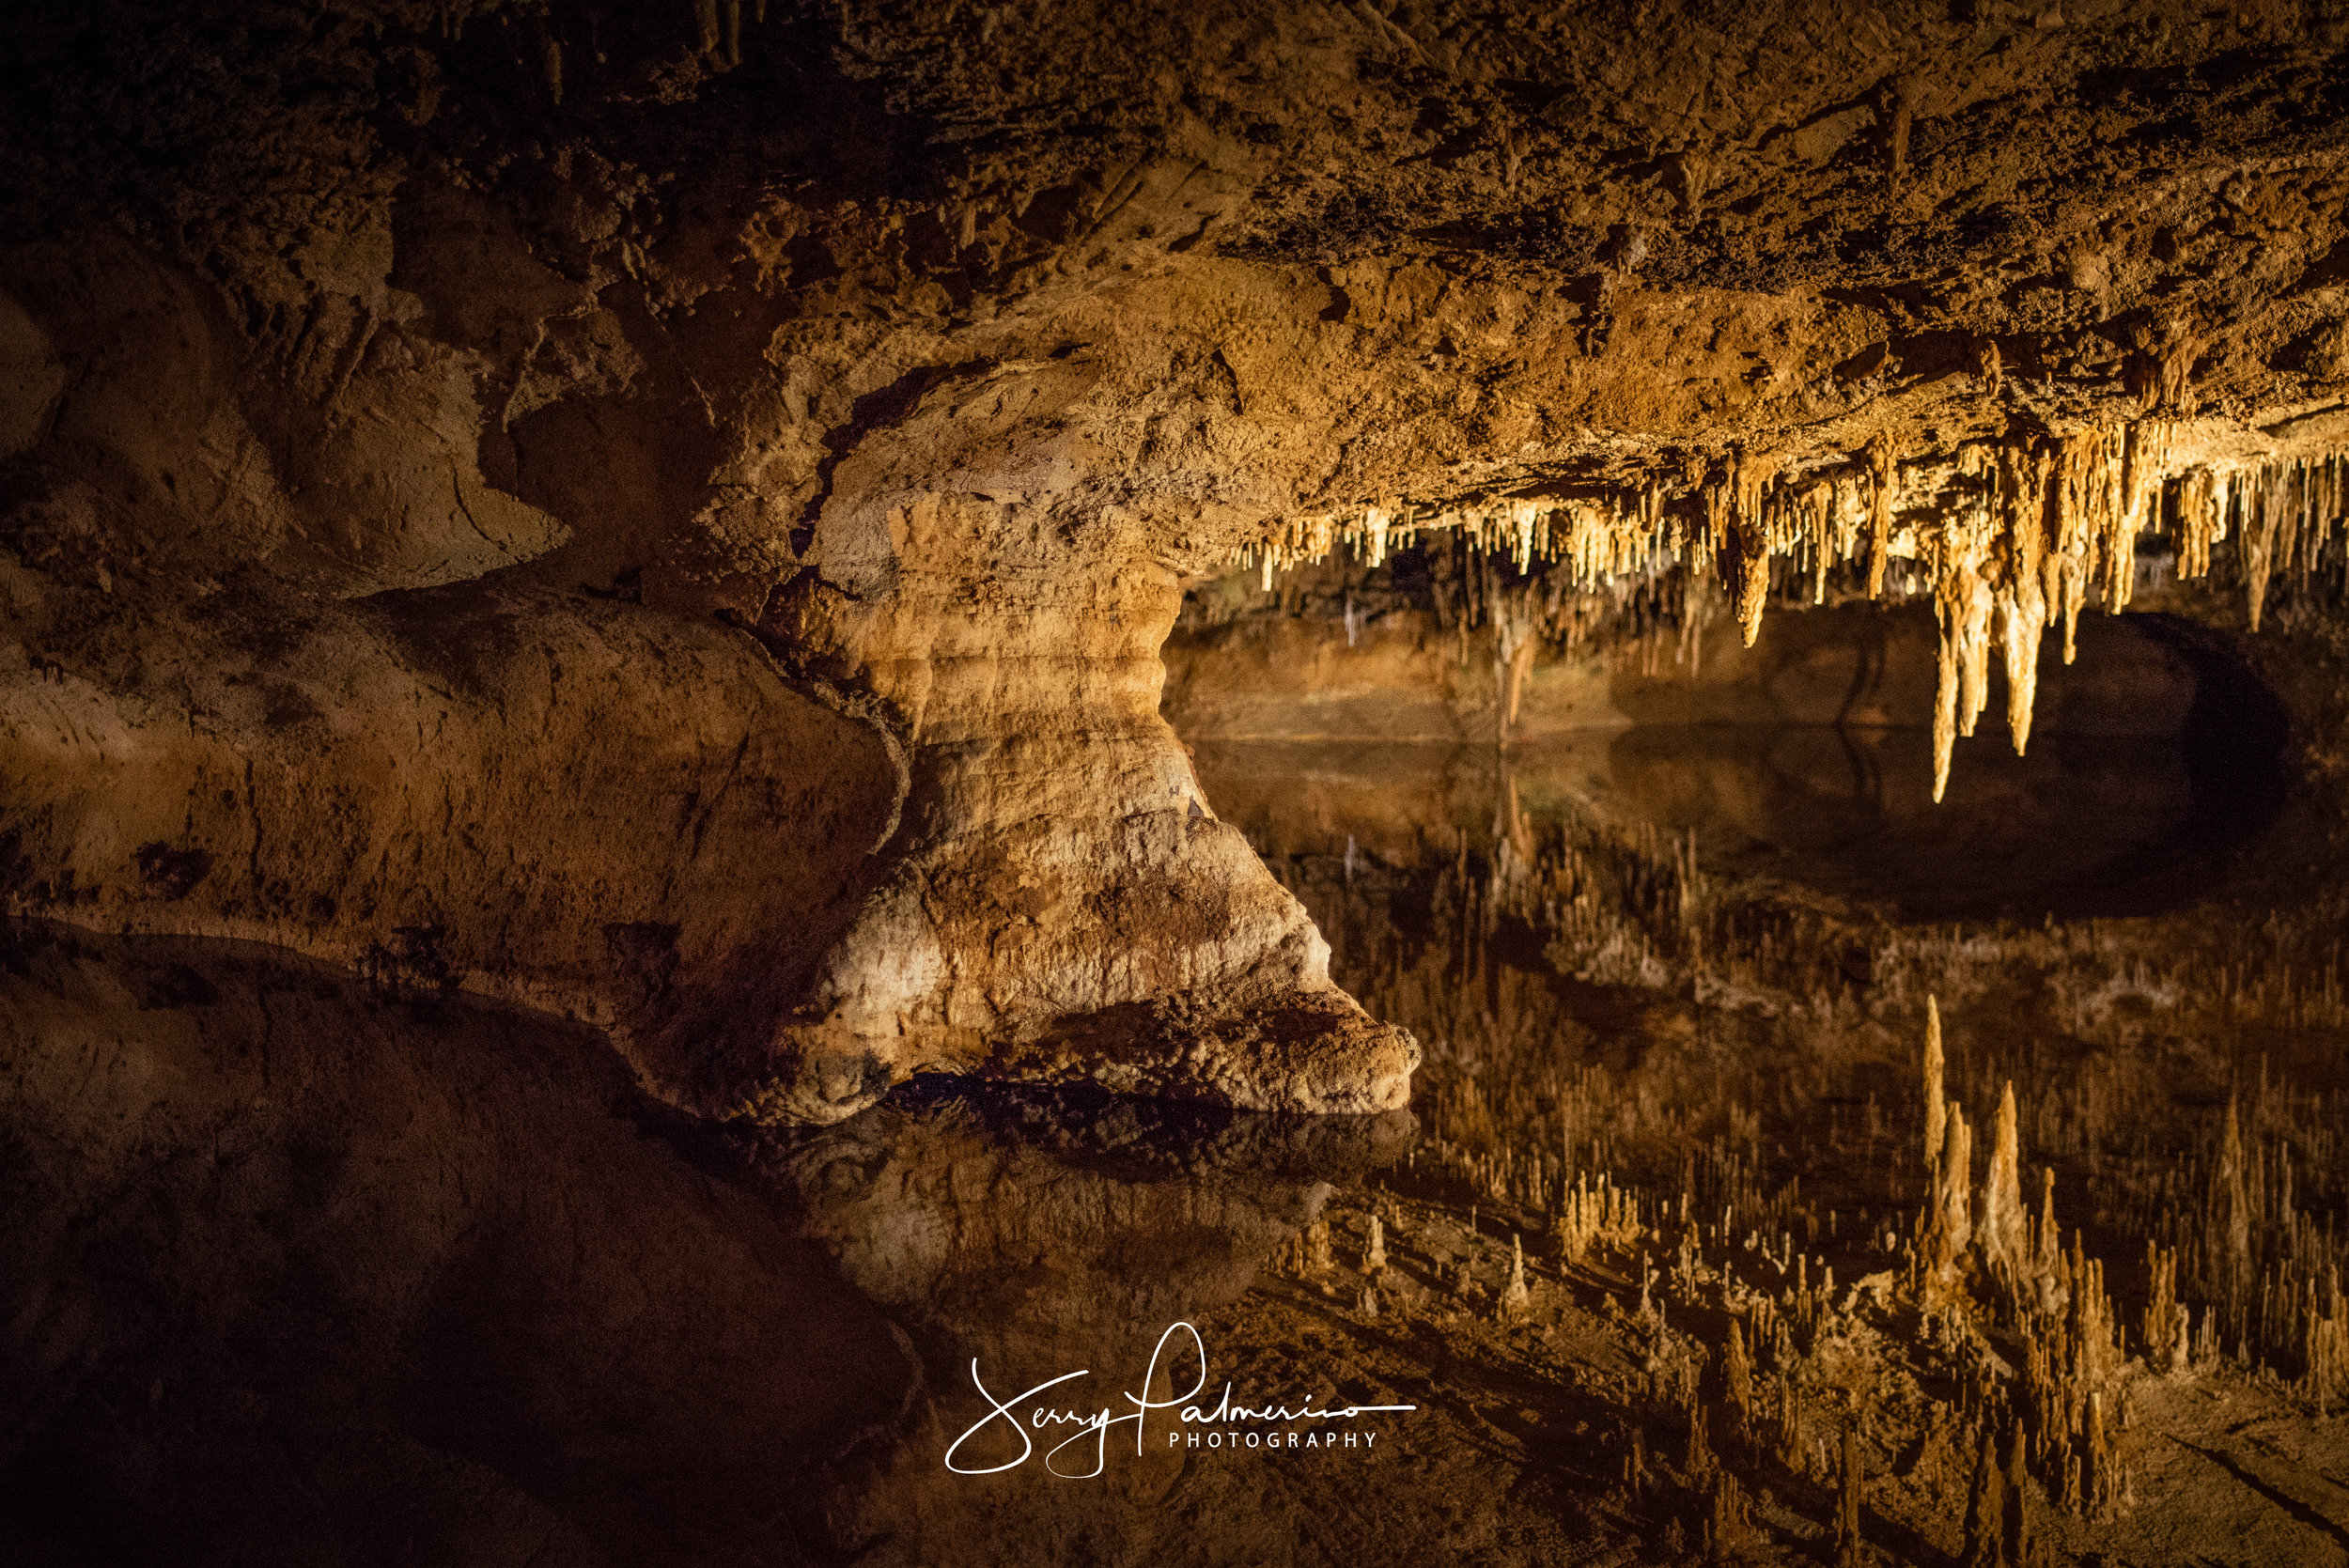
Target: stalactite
{"x":1746,"y":541}
{"x":2259,"y":547}
{"x":1881,"y":471}
{"x":1850,"y":1546}
{"x":2201,"y":502}
{"x":2036,"y":531}
{"x":2069,"y":564}
{"x":1936,"y":1108}
{"x":2022,"y":601}
{"x":1963,"y":603}
{"x":1818,"y":515}
{"x":2002,"y":1230}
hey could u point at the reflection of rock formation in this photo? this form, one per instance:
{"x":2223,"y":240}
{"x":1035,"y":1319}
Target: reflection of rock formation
{"x":293,"y":1270}
{"x":1026,"y":1227}
{"x":293,"y":1264}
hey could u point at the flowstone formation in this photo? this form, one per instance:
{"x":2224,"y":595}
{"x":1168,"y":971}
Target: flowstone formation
{"x":670,"y":513}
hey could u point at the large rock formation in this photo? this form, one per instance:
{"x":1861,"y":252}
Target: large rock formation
{"x":670,"y":513}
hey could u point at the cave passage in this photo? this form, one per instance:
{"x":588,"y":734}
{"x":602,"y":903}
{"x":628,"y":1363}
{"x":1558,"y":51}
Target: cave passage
{"x":2157,"y":760}
{"x":2156,"y":764}
{"x":726,"y":729}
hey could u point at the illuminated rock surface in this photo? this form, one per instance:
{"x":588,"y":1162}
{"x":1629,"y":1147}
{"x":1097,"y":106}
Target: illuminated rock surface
{"x":472,"y":462}
{"x":964,"y":609}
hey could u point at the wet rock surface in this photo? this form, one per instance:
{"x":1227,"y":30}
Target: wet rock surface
{"x":302,"y":1266}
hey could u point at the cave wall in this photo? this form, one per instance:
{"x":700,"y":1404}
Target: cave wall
{"x":672,"y":514}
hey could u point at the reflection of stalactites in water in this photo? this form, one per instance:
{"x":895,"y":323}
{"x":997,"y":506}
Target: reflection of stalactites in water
{"x":1936,"y":1106}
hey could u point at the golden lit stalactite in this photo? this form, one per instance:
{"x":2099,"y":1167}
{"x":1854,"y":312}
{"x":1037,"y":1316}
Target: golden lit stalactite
{"x":1819,"y":509}
{"x":2151,"y":445}
{"x":2259,"y":551}
{"x":1746,"y":539}
{"x":2087,"y":482}
{"x":2116,"y":546}
{"x":2003,"y":1230}
{"x":1945,"y":695}
{"x":1937,"y":1106}
{"x":1517,"y":640}
{"x":2201,"y":521}
{"x":2034,"y":531}
{"x":2022,"y":602}
{"x":1962,"y":605}
{"x":2282,"y":513}
{"x":2064,"y":571}
{"x":1374,"y":536}
{"x":1883,"y":471}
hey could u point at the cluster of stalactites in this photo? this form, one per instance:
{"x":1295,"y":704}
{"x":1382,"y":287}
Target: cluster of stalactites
{"x":2040,"y":531}
{"x":1594,"y":542}
{"x":2046,"y":529}
{"x":2283,"y":512}
{"x":2052,"y":526}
